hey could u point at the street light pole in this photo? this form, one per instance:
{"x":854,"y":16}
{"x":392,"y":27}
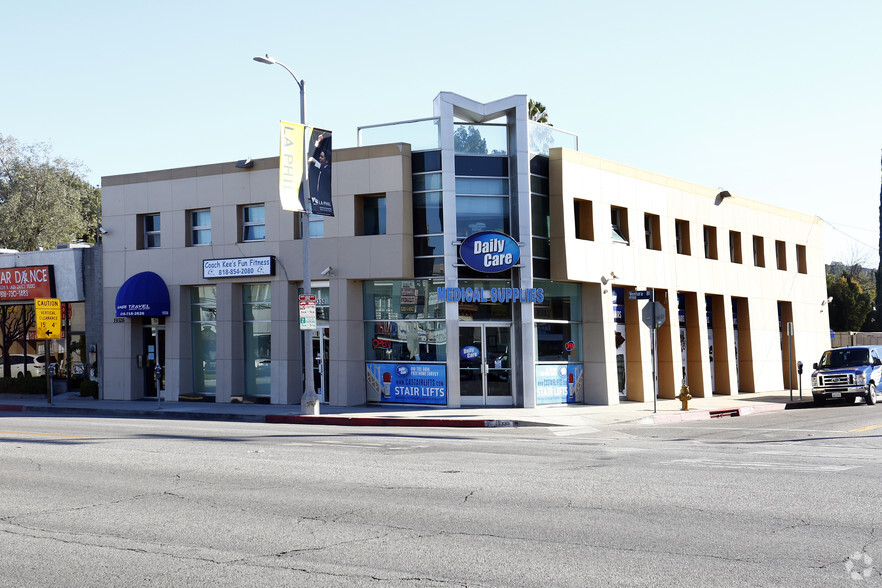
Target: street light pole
{"x":309,"y":402}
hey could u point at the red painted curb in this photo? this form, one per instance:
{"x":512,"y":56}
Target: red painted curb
{"x":760,"y":408}
{"x":11,"y":407}
{"x":382,"y":421}
{"x":692,"y":415}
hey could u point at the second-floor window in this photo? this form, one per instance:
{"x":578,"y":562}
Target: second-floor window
{"x":253,"y":223}
{"x":151,"y":231}
{"x":200,"y":227}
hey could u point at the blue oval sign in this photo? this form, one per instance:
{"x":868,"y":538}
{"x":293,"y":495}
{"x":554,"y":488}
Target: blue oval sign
{"x":490,"y":251}
{"x":469,"y":352}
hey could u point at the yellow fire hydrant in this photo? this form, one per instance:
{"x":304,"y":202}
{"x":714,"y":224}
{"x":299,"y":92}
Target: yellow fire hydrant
{"x":684,"y":397}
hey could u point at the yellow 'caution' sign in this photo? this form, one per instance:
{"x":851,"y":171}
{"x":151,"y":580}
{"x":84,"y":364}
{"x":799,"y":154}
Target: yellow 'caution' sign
{"x":48,"y":317}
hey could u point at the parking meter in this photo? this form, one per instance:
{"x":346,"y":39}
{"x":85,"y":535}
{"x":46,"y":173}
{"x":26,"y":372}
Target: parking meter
{"x":157,"y":375}
{"x":799,"y":371}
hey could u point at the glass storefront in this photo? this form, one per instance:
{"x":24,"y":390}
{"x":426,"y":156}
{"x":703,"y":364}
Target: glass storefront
{"x":404,"y":321}
{"x":559,"y":322}
{"x":256,"y":317}
{"x":203,"y":327}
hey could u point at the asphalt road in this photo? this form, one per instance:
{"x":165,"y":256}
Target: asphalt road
{"x":787,"y":498}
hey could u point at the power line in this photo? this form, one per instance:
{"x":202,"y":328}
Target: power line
{"x":858,"y":241}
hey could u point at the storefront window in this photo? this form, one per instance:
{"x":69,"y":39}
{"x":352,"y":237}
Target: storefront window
{"x":403,"y":299}
{"x":256,"y":309}
{"x":404,"y":321}
{"x":203,"y":327}
{"x":472,"y":310}
{"x":559,"y":322}
{"x":405,"y":341}
{"x":322,"y":304}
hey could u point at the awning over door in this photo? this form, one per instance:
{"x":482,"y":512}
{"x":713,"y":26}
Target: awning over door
{"x":143,"y":294}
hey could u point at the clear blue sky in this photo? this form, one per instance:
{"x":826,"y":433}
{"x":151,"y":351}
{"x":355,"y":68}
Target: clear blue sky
{"x":774,"y":101}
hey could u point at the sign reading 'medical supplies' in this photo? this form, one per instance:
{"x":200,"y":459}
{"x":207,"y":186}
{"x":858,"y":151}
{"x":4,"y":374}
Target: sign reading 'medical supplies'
{"x":490,"y":251}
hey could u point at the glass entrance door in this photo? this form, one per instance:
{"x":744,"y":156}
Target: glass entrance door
{"x":321,"y":345}
{"x":485,"y":365}
{"x":153,"y":352}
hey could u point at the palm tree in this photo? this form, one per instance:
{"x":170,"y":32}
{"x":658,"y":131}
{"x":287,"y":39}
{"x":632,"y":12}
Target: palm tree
{"x":536,"y":111}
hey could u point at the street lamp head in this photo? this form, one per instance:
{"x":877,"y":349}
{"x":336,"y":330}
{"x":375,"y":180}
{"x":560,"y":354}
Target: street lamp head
{"x":267,"y":59}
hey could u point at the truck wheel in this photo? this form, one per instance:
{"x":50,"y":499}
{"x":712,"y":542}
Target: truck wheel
{"x":871,"y":394}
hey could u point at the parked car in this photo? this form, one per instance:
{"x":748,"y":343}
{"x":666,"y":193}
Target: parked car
{"x":35,"y":366}
{"x":848,"y":372}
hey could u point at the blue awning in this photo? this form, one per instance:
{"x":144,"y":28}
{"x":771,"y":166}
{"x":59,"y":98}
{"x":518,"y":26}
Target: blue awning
{"x":143,"y":294}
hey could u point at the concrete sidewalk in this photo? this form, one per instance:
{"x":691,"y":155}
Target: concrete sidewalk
{"x":573,"y":415}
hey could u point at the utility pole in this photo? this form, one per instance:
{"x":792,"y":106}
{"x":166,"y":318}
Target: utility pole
{"x":877,"y":318}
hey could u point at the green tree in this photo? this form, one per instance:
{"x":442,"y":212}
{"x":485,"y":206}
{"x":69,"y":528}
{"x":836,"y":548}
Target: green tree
{"x":536,"y":111}
{"x":44,"y":200}
{"x":468,"y":139}
{"x":851,"y":305}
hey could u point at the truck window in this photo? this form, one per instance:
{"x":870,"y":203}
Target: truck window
{"x":837,"y":358}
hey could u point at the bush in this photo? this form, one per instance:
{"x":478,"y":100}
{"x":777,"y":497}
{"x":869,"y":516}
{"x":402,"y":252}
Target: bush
{"x":33,"y":386}
{"x":89,"y":388}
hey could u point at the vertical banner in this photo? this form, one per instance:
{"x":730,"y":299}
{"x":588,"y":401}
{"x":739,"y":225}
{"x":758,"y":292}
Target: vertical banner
{"x":621,"y":345}
{"x":291,"y":161}
{"x":319,"y":163}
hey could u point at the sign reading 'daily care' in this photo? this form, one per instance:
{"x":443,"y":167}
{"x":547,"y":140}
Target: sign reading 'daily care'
{"x":25,"y":283}
{"x":489,"y":251}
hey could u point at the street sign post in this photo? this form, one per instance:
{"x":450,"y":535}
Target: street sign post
{"x":653,"y":316}
{"x":48,"y":318}
{"x":47,"y":315}
{"x":307,"y":312}
{"x":639,"y":294}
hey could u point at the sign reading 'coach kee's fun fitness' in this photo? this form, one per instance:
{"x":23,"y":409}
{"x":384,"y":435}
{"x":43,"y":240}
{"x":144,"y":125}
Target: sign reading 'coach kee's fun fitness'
{"x":489,"y":251}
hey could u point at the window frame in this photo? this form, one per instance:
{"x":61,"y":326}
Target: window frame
{"x":619,"y":222}
{"x":193,"y":228}
{"x":246,"y":225}
{"x":583,"y":213}
{"x":710,"y":242}
{"x":759,"y":254}
{"x":681,"y":236}
{"x":735,"y":255}
{"x":148,"y":235}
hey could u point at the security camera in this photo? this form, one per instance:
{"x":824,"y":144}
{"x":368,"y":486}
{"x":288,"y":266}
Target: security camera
{"x":327,"y":271}
{"x":103,"y":231}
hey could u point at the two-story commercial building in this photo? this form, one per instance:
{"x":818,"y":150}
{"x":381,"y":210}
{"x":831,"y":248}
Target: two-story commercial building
{"x":475,"y":258}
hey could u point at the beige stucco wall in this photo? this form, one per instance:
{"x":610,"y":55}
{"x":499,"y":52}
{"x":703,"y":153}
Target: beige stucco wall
{"x":224,"y":188}
{"x":605,"y":184}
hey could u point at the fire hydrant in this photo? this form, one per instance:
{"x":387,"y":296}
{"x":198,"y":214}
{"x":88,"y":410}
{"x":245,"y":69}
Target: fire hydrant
{"x":684,"y":397}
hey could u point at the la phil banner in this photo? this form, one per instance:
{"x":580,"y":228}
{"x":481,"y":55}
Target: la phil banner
{"x":305,"y":148}
{"x":27,"y":283}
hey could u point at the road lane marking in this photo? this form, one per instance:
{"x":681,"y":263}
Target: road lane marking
{"x":45,"y":434}
{"x":862,"y":429}
{"x":713,"y":463}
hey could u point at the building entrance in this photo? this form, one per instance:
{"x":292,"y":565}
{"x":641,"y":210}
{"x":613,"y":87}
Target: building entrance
{"x":321,"y":345}
{"x":153,"y":351}
{"x":485,"y":364}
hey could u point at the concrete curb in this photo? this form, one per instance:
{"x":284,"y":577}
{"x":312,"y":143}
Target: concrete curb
{"x":389,"y":421}
{"x":142,"y":414}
